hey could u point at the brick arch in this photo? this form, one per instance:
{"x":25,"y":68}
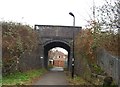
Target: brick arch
{"x":57,"y":41}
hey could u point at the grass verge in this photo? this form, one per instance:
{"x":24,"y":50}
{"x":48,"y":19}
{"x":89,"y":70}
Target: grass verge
{"x":77,"y":80}
{"x":24,"y":78}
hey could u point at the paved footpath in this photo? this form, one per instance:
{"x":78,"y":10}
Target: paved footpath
{"x":54,"y":77}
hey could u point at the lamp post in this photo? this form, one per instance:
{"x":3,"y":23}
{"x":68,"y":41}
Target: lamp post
{"x":73,"y":45}
{"x":70,"y":13}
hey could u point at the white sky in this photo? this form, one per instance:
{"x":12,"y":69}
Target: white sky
{"x":47,"y":12}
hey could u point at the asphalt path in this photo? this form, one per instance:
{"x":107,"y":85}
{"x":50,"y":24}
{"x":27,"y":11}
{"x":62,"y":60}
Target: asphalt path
{"x":55,"y":76}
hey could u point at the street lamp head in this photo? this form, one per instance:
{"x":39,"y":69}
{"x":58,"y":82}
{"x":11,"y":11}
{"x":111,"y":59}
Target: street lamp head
{"x":71,"y":14}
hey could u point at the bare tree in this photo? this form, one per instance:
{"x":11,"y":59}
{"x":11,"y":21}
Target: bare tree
{"x":118,"y":13}
{"x":109,"y":15}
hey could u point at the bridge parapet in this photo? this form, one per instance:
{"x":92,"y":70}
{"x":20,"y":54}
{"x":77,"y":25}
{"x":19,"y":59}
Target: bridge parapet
{"x":51,"y":31}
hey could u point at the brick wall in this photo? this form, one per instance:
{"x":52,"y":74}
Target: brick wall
{"x":59,"y":63}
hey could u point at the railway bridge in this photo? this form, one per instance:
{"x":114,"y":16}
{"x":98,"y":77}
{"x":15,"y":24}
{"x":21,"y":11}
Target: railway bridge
{"x":51,"y":36}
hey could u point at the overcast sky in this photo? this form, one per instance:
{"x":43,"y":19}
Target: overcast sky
{"x":47,"y":12}
{"x":60,"y":49}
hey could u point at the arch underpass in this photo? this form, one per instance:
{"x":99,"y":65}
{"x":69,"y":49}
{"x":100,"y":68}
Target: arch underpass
{"x":51,"y":36}
{"x":54,"y":44}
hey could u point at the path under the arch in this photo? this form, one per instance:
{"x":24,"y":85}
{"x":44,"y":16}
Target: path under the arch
{"x":54,"y":77}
